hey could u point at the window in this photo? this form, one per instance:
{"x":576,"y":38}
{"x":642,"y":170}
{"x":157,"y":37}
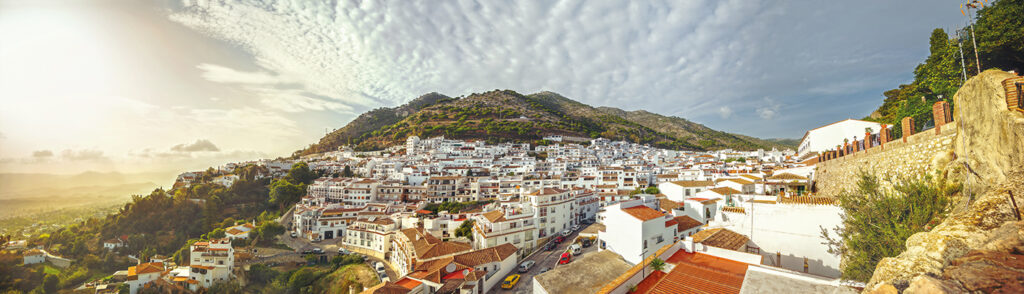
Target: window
{"x":645,"y":244}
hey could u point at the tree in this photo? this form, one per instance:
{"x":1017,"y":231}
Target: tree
{"x":284,"y":193}
{"x":1000,"y":32}
{"x":347,"y":173}
{"x":301,"y":174}
{"x":877,"y":221}
{"x":653,"y":190}
{"x":50,"y":283}
{"x":657,"y":264}
{"x":465,"y":230}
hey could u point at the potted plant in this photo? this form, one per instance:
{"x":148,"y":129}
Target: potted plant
{"x":658,"y":264}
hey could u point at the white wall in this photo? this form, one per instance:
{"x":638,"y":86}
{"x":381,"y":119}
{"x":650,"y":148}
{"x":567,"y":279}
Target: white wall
{"x":792,"y":230}
{"x":827,"y":137}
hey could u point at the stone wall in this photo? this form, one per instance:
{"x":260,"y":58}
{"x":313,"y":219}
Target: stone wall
{"x":889,"y":161}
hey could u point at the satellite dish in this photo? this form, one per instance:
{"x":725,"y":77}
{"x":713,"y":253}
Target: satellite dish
{"x":465,"y":272}
{"x":450,"y":267}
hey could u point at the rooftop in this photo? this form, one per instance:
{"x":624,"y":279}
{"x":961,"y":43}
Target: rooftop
{"x":696,"y":273}
{"x":643,"y":213}
{"x":585,"y":275}
{"x":721,"y":238}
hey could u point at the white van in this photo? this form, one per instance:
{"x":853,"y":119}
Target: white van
{"x":576,"y":249}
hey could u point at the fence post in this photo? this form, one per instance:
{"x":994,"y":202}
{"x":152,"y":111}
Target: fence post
{"x":908,"y":127}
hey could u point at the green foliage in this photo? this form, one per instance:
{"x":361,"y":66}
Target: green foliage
{"x":229,"y":287}
{"x":453,"y":207}
{"x":657,"y":264}
{"x":653,"y":190}
{"x":302,"y":278}
{"x":300,"y":173}
{"x":1000,"y":37}
{"x":877,"y":221}
{"x":261,"y":273}
{"x":347,"y":172}
{"x":465,"y":229}
{"x":343,"y":260}
{"x":283,"y":193}
{"x":50,"y":283}
{"x":267,"y":230}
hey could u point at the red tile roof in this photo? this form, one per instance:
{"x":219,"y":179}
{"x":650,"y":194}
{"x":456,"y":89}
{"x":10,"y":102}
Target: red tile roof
{"x":686,"y":223}
{"x":697,"y":273}
{"x":643,"y":213}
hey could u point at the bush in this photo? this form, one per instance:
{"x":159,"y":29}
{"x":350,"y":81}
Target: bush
{"x":877,"y":221}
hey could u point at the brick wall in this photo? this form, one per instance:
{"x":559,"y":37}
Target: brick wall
{"x":940,"y":111}
{"x":1012,"y":94}
{"x":908,"y":127}
{"x":888,"y":161}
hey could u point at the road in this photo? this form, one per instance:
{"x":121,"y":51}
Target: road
{"x":544,"y":259}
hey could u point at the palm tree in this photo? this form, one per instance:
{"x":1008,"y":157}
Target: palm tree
{"x":658,"y":264}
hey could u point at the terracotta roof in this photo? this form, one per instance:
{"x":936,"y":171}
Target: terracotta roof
{"x":668,"y":205}
{"x":494,"y":216}
{"x":787,"y":176}
{"x":686,"y":223}
{"x":643,"y":213}
{"x":408,"y":283}
{"x":741,"y":181}
{"x":809,"y":200}
{"x":694,"y":183}
{"x":698,"y":273}
{"x":735,"y":209}
{"x":486,"y":255}
{"x":721,"y":238}
{"x":726,"y":191}
{"x":547,"y":191}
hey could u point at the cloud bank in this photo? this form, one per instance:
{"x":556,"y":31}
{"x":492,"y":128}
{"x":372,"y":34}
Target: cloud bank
{"x":704,"y":60}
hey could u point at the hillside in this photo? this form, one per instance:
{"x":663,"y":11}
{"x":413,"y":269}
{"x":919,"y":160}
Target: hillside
{"x":499,"y":116}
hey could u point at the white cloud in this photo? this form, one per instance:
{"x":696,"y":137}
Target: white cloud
{"x":629,"y":54}
{"x":725,"y":111}
{"x":83,"y":155}
{"x":769,"y":109}
{"x":201,"y":145}
{"x":221,"y":74}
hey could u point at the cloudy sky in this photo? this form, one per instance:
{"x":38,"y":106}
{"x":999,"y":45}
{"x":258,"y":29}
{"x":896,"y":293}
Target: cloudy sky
{"x":152,"y":86}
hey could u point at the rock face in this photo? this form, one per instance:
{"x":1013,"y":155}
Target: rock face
{"x":991,"y":137}
{"x":978,"y":246}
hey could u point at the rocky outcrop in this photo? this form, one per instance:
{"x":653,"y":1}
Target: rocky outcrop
{"x":976,"y":248}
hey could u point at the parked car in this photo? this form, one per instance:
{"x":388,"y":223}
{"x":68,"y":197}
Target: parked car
{"x":307,"y":251}
{"x":544,"y":270}
{"x":318,"y":251}
{"x":559,"y":239}
{"x":379,"y":266}
{"x":586,"y":242}
{"x":294,"y":235}
{"x":550,"y":246}
{"x":576,"y":227}
{"x":566,"y":258}
{"x":510,"y":281}
{"x":526,"y":265}
{"x":343,"y":251}
{"x":576,"y":249}
{"x":566,"y":233}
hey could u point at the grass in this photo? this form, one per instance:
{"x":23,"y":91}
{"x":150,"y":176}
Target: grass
{"x":344,"y":277}
{"x":49,"y":269}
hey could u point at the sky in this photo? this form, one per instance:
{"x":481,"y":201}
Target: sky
{"x":144,"y":86}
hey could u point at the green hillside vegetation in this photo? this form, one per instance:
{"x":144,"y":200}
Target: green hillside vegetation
{"x":165,"y":222}
{"x":1000,"y":37}
{"x":508,"y":116}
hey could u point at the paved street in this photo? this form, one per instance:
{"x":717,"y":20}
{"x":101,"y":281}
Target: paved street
{"x":544,"y":259}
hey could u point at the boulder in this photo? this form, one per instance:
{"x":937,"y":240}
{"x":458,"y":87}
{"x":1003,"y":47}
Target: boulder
{"x":990,"y":138}
{"x":927,"y":284}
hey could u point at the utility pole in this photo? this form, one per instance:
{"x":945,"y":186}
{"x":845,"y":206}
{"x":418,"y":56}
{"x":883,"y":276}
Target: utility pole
{"x":973,"y":4}
{"x":963,"y":67}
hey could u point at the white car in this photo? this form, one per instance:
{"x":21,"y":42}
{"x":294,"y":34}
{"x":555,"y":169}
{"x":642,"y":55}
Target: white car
{"x":566,"y":233}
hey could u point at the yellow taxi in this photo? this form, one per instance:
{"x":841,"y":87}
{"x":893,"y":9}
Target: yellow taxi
{"x":510,"y":281}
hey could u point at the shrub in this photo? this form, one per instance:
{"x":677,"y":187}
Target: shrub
{"x":877,"y":221}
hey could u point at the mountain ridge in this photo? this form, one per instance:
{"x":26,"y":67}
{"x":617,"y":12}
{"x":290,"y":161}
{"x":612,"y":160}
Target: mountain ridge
{"x":505,"y":115}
